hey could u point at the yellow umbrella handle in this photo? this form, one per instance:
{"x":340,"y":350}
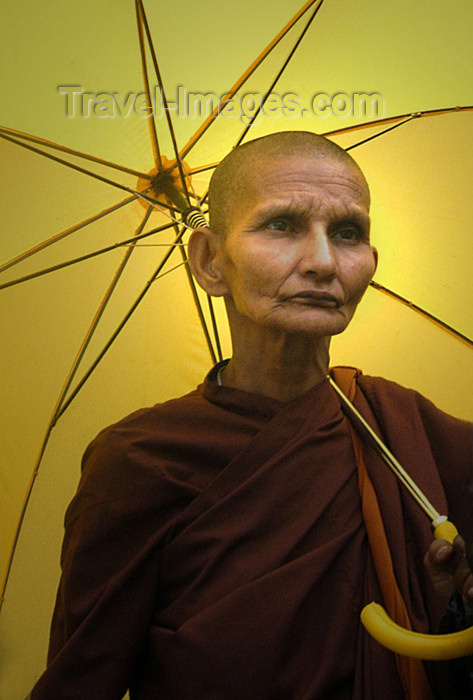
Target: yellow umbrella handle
{"x":434,"y":647}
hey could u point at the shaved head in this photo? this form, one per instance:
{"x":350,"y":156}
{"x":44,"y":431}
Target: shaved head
{"x":231,"y":178}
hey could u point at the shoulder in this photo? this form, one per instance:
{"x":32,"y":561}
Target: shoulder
{"x":390,"y":398}
{"x":137,"y":449}
{"x":411,"y":413}
{"x":379,"y":389}
{"x":159,"y":422}
{"x":148,"y":417}
{"x":170,"y":421}
{"x":425,"y":438}
{"x":412,"y":423}
{"x":173,"y":446}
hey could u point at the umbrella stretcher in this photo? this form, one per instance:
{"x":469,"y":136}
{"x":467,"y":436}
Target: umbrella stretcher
{"x":383,"y":629}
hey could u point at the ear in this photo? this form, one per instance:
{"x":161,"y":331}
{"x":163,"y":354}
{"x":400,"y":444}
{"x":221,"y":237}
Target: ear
{"x":203,"y":252}
{"x":375,"y":255}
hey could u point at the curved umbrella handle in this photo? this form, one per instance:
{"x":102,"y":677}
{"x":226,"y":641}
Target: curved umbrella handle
{"x":433,"y":647}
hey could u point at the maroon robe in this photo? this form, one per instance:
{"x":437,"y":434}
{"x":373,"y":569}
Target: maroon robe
{"x":215,"y":549}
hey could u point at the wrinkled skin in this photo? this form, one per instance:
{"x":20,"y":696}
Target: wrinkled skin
{"x":298,"y":258}
{"x":292,"y":269}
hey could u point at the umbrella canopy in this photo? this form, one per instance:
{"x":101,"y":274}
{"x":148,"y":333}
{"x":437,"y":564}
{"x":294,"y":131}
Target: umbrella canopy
{"x":74,"y":77}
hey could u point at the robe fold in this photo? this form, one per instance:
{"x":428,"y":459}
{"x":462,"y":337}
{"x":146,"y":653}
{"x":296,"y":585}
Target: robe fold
{"x":216,"y":549}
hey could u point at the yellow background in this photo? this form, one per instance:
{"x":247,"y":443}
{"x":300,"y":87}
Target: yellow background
{"x":417,"y":55}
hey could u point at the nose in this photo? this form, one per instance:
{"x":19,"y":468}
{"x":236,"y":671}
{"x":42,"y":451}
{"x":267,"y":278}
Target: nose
{"x":317,"y":255}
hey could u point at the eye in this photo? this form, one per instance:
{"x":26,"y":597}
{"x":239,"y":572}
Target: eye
{"x":348,"y":232}
{"x":279,"y":223}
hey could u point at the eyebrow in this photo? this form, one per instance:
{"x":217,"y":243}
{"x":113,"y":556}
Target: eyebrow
{"x":298,"y":209}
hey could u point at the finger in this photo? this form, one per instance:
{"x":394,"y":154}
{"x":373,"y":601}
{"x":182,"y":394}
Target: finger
{"x":437,"y":568}
{"x":446,"y":553}
{"x":453,"y":560}
{"x":443,"y":556}
{"x":440,"y":552}
{"x":448,"y":567}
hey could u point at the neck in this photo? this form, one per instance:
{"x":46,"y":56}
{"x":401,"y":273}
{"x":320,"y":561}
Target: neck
{"x":281,"y":370}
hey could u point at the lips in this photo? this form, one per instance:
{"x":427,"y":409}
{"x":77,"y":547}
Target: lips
{"x":311,"y":298}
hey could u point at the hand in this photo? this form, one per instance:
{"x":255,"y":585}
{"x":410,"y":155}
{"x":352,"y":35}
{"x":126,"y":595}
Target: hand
{"x":448,"y":568}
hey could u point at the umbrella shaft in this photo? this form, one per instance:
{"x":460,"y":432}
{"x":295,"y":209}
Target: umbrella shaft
{"x":387,"y":456}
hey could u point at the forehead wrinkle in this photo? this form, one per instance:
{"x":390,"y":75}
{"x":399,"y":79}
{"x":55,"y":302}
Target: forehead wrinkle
{"x":283,"y":206}
{"x":308,"y":202}
{"x":247,"y":186}
{"x":349,"y":182}
{"x":276,"y":146}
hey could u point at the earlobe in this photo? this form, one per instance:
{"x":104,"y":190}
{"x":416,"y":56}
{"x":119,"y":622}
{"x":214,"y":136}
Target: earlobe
{"x":203,"y":256}
{"x":375,"y":255}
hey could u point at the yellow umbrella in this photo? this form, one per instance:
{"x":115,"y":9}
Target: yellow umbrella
{"x":74,"y":77}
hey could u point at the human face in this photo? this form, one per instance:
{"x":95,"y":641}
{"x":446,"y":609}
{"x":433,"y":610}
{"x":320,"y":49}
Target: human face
{"x":297,"y":258}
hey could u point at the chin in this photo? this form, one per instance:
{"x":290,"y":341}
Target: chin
{"x":311,"y":330}
{"x":315,"y":326}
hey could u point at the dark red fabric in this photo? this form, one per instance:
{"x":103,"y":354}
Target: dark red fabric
{"x":216,"y":549}
{"x":411,"y":671}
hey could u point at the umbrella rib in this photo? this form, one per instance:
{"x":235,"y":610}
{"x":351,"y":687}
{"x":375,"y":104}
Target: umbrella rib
{"x":122,"y":324}
{"x":215,"y":328}
{"x":195,"y":295}
{"x":380,"y":133}
{"x":97,"y":317}
{"x":60,"y":236}
{"x":155,"y":245}
{"x":164,"y":99}
{"x":87,"y":256}
{"x":203,"y":169}
{"x":218,"y":355}
{"x":423,"y":312}
{"x":65,"y":149}
{"x":60,"y":402}
{"x":141,"y":195}
{"x":144,"y":69}
{"x":278,"y":75}
{"x":23,"y":509}
{"x":245,"y":76}
{"x":197,"y":198}
{"x":367,"y":125}
{"x":389,"y":120}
